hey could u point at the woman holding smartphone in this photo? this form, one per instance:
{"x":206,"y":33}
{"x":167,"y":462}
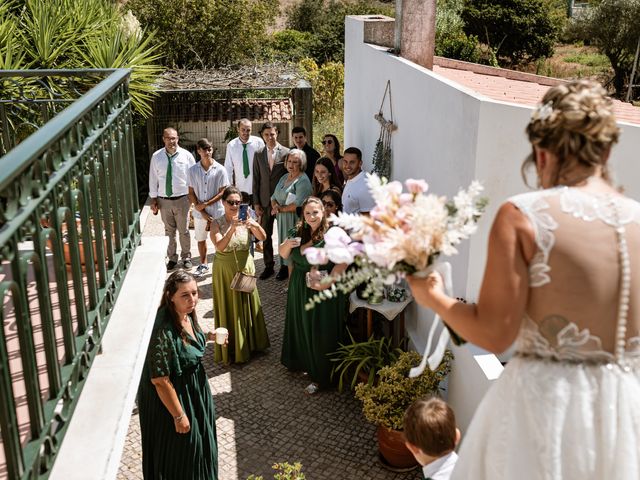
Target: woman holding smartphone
{"x":241,"y":313}
{"x":310,"y":335}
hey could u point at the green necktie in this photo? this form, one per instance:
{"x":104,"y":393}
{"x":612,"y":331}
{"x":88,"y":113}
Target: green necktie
{"x":168,"y":186}
{"x":245,"y":161}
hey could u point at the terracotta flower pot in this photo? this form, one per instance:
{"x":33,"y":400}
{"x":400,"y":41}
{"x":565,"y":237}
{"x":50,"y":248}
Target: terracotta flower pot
{"x":392,"y":448}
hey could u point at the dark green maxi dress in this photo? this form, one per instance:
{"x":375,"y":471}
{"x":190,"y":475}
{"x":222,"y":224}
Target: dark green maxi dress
{"x":167,"y":455}
{"x":309,"y":336}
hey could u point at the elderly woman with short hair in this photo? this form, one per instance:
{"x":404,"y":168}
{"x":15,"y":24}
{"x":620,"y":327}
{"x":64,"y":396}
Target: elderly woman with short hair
{"x":290,"y":193}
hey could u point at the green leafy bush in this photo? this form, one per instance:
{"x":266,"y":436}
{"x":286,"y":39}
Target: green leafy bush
{"x":451,"y":41}
{"x":518,"y":31}
{"x":327,"y":82}
{"x":73,"y":34}
{"x":367,"y":357}
{"x":384,"y":403}
{"x":207,"y":33}
{"x":290,"y":45}
{"x":325,"y":20}
{"x":284,"y":471}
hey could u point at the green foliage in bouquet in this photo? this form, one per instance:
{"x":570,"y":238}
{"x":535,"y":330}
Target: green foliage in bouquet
{"x":367,"y":357}
{"x":385,"y":402}
{"x":284,"y":471}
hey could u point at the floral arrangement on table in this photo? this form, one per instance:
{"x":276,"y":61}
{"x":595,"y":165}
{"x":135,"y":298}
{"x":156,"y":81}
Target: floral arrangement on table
{"x":403,"y":234}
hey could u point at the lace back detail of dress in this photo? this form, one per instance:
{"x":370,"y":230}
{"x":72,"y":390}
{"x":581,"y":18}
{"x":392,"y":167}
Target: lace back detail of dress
{"x":581,"y":280}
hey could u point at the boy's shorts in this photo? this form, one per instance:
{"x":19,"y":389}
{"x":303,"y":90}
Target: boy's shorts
{"x":200,"y":229}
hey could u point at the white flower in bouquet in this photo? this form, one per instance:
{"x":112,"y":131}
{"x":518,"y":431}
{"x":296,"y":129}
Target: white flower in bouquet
{"x":404,"y":233}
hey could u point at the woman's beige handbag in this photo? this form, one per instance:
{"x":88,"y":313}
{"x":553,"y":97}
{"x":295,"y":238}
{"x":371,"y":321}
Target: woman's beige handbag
{"x":242,"y":282}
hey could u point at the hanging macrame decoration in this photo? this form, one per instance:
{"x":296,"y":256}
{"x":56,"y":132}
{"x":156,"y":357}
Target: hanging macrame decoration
{"x":382,"y":152}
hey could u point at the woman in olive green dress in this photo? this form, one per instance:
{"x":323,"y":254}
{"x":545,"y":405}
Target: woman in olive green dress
{"x":240,"y":313}
{"x":175,"y":404}
{"x":309,"y":336}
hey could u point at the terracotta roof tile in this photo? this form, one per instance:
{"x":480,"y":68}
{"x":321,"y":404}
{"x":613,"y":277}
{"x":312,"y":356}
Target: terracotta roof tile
{"x":523,"y":90}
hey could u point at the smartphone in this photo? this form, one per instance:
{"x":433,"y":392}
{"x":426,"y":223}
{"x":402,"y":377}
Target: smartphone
{"x":242,"y":213}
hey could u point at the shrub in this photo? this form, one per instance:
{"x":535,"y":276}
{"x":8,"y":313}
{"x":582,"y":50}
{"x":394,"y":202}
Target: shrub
{"x":451,"y":41}
{"x":290,"y":45}
{"x":325,"y":20}
{"x":385,"y":402}
{"x":327,"y":82}
{"x":284,"y":471}
{"x":206,"y":33}
{"x":519,"y":31}
{"x":59,"y":34}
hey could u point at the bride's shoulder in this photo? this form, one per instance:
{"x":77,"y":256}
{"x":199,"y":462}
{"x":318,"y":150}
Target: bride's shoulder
{"x":528,"y":200}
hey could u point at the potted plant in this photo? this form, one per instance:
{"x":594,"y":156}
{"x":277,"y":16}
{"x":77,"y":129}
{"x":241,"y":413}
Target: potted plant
{"x":385,"y":402}
{"x":362,"y":360}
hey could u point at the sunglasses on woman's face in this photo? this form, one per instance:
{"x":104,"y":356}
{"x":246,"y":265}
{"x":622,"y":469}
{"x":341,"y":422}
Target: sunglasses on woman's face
{"x":328,"y":204}
{"x":325,"y":142}
{"x":233,"y":203}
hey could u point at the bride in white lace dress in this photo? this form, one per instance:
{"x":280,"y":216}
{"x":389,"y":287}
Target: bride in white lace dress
{"x":562,"y":280}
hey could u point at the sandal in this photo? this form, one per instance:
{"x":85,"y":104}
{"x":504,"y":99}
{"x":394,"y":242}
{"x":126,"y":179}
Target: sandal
{"x":312,"y":388}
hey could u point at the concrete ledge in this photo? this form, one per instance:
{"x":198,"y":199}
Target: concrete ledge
{"x":95,"y":439}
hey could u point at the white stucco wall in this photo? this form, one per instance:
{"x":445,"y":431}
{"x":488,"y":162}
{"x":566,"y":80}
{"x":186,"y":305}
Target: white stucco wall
{"x":449,"y":135}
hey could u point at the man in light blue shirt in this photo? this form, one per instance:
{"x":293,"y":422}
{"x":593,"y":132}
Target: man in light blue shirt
{"x":207,"y":180}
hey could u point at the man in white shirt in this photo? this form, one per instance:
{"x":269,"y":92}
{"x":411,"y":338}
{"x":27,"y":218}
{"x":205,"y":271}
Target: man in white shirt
{"x":356,"y":197}
{"x":168,"y":190}
{"x":239,"y":158}
{"x":207,"y":181}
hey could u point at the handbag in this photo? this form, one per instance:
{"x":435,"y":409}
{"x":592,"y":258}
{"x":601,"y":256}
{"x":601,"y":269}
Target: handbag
{"x":242,"y":282}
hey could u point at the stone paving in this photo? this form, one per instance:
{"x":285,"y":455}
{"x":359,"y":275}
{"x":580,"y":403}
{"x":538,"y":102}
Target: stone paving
{"x":263,"y":415}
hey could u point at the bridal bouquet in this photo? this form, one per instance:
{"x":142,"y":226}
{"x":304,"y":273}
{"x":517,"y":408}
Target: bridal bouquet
{"x":403,"y":234}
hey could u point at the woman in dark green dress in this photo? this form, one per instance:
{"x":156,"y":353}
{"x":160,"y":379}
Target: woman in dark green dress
{"x":175,"y":404}
{"x":309,"y":336}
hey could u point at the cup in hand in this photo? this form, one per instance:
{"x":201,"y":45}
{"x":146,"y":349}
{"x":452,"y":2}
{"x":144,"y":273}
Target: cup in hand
{"x":297,"y":241}
{"x":221,"y":335}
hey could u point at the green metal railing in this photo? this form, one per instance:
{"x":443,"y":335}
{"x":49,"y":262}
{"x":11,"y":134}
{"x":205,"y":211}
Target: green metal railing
{"x":69,"y":224}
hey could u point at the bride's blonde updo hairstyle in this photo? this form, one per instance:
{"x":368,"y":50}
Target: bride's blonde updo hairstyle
{"x":575,"y":122}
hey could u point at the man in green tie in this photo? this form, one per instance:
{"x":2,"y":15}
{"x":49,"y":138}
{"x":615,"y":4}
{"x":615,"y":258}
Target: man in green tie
{"x":239,"y":158}
{"x":168,"y":190}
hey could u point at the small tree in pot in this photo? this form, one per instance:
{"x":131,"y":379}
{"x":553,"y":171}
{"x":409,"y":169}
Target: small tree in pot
{"x":384,"y":403}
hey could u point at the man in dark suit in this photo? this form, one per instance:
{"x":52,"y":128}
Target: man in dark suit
{"x":299,"y":135}
{"x":268,"y":168}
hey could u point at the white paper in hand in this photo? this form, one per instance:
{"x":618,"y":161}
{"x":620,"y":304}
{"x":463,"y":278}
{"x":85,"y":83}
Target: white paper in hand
{"x":291,"y":198}
{"x":435,"y":357}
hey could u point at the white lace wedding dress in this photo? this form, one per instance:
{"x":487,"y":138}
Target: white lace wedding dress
{"x":567,"y":406}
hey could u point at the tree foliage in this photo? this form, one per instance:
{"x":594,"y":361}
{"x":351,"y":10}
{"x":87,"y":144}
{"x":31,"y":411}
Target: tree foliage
{"x":324,"y":19}
{"x":451,"y":40}
{"x":208,"y":33}
{"x":327,"y":82}
{"x":73,"y":34}
{"x":518,"y":31}
{"x":614,"y":27}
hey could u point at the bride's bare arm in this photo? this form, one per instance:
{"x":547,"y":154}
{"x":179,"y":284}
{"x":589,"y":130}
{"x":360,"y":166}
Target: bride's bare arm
{"x":494,"y":321}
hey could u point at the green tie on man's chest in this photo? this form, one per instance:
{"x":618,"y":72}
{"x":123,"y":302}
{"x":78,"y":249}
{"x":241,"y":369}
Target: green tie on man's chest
{"x":245,"y":160}
{"x":168,"y":186}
